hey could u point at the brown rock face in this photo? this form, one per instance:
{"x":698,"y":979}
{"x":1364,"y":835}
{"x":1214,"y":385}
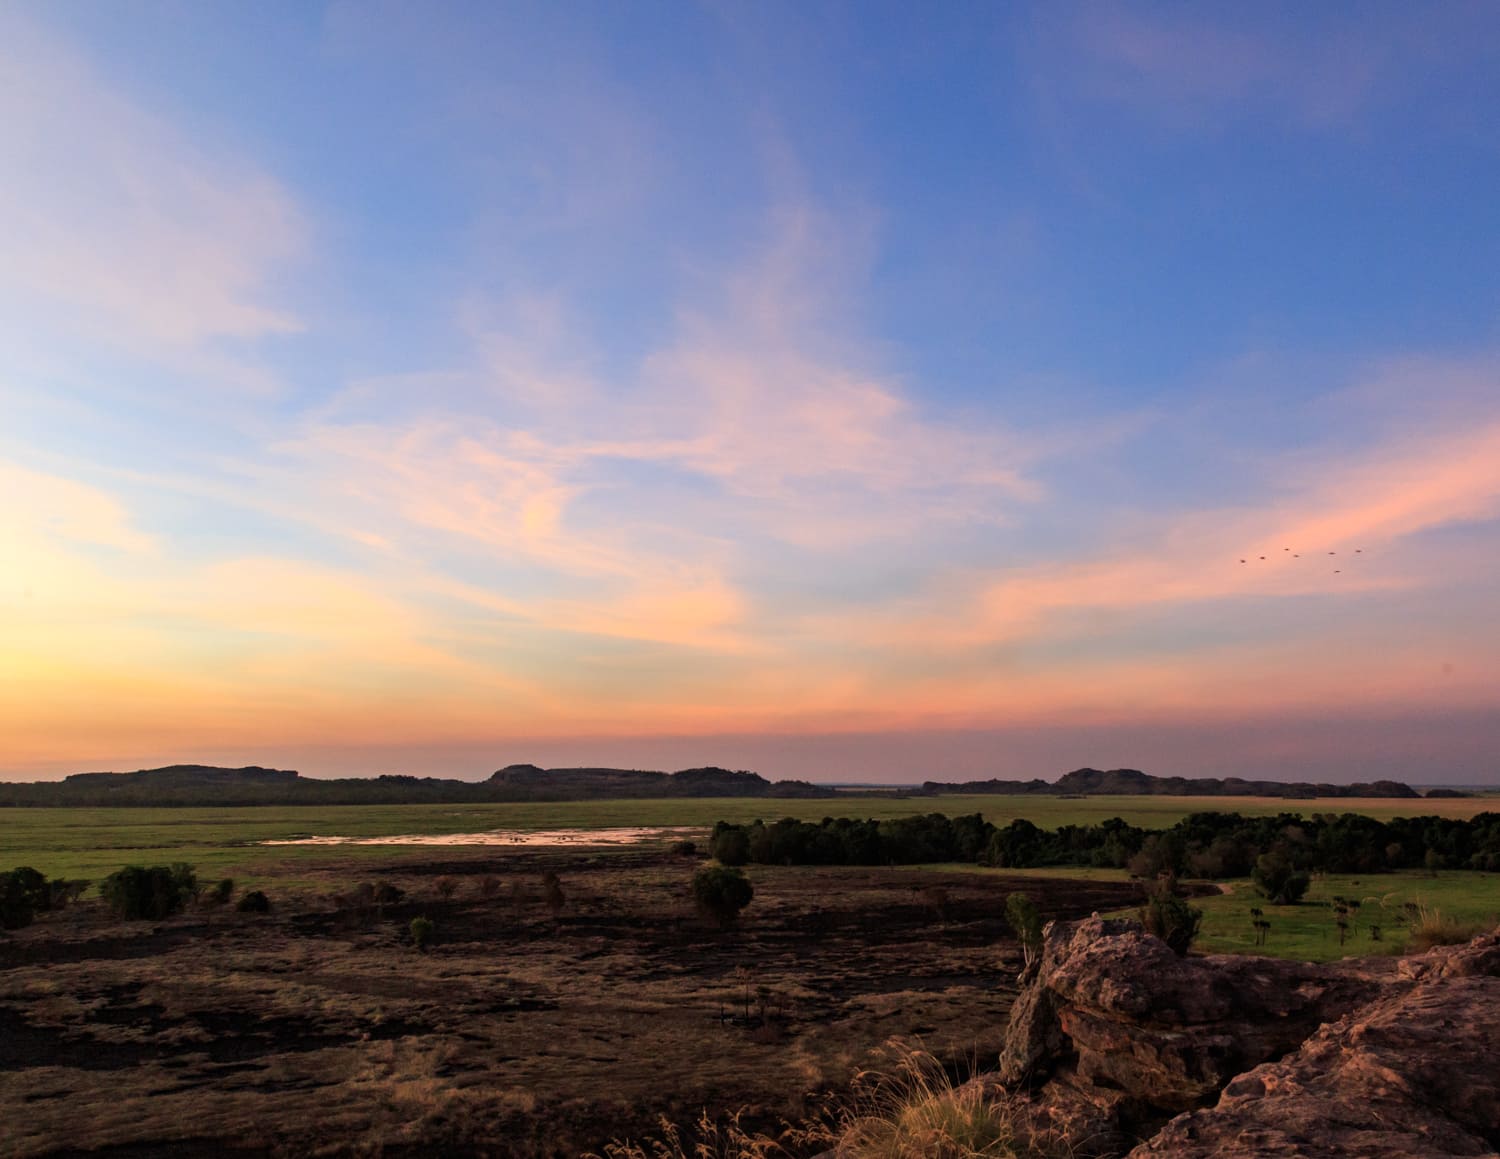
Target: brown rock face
{"x":1415,"y":1073}
{"x":1114,"y":1015}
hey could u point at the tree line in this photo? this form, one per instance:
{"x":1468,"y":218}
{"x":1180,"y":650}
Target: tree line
{"x":1210,"y":844}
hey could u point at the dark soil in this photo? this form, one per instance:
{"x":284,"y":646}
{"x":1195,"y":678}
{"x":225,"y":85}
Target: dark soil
{"x":320,"y":1029}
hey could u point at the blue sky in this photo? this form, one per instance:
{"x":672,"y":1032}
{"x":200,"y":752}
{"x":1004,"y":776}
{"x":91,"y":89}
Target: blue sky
{"x":837,"y":390}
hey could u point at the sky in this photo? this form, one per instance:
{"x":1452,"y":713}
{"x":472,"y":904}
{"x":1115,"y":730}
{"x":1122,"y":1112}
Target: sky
{"x":858,"y":392}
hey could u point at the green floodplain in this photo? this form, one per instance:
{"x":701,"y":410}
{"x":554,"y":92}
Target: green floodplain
{"x":225,"y":842}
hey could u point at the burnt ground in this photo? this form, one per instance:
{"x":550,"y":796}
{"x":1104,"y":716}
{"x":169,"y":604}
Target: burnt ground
{"x":320,"y":1029}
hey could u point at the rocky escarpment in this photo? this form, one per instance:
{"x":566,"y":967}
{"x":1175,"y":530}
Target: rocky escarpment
{"x":1238,"y":1056}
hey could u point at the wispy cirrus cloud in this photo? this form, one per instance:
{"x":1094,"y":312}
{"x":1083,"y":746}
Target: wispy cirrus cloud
{"x":120,"y":227}
{"x":1195,"y":67}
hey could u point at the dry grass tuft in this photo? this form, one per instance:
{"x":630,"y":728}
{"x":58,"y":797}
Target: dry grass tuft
{"x":905,"y":1106}
{"x":1430,"y":927}
{"x":910,"y":1105}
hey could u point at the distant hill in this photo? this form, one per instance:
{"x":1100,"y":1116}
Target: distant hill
{"x":181,"y":776}
{"x":1133,"y":782}
{"x":210,"y":785}
{"x":568,"y":784}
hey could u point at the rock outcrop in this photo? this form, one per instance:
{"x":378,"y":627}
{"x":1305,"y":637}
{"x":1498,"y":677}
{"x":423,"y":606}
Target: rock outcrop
{"x":1415,"y":1073}
{"x":1113,"y":1014}
{"x":1255,"y":1056}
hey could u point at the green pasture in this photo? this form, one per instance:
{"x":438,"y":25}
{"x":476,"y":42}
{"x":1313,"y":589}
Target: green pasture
{"x":1307,"y":931}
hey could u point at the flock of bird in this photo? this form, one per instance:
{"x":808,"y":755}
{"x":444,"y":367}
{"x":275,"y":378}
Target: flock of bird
{"x":1298,"y":555}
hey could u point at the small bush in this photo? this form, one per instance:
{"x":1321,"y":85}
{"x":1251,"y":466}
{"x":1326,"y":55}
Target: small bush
{"x":685,"y":848}
{"x":552,"y":894}
{"x":446,"y":887}
{"x":220,"y":892}
{"x":1026,"y":923}
{"x":1169,"y":917}
{"x":421,"y":933}
{"x":138,"y":893}
{"x":186,"y":881}
{"x":720,"y":892}
{"x":254,"y":902}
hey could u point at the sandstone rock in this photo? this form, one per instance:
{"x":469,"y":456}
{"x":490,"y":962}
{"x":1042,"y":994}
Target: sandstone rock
{"x":1114,"y":1014}
{"x":1414,"y":1074}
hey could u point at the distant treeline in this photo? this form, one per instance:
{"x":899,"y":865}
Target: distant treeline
{"x":1200,"y":845}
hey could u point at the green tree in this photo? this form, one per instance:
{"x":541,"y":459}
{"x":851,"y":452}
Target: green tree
{"x":721,"y":892}
{"x":1279,"y":880}
{"x":1168,"y":916}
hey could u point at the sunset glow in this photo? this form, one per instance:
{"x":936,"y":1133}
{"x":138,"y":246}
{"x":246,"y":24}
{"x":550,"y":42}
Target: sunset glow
{"x":846,"y":393}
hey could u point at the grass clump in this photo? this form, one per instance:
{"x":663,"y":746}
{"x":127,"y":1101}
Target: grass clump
{"x":1431,"y":927}
{"x":911,"y":1105}
{"x":908,"y":1105}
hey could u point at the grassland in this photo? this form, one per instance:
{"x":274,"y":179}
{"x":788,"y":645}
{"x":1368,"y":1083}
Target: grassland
{"x":1308,"y":932}
{"x":90,"y":843}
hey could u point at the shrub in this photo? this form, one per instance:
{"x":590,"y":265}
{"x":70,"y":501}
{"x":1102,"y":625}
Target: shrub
{"x":254,"y":902}
{"x":1168,"y":916}
{"x":446,"y":887}
{"x":421,"y":933}
{"x":1026,"y":923}
{"x":685,"y":848}
{"x":64,"y":891}
{"x":720,"y":892}
{"x":1278,"y":880}
{"x":20,"y":891}
{"x":137,"y":893}
{"x":220,"y":892}
{"x":385,"y":893}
